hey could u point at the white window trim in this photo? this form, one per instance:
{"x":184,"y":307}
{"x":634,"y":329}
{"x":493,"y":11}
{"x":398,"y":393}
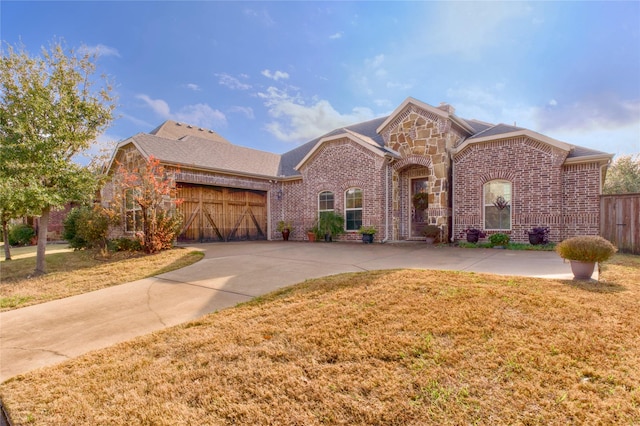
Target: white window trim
{"x":361,"y":209}
{"x":334,"y":202}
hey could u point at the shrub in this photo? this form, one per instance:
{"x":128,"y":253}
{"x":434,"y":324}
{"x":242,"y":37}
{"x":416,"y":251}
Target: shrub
{"x":70,"y":229}
{"x":164,"y":229}
{"x":21,"y":235}
{"x":367,"y":230}
{"x":586,"y":249}
{"x":88,"y":227}
{"x":499,"y":239}
{"x":124,"y":244}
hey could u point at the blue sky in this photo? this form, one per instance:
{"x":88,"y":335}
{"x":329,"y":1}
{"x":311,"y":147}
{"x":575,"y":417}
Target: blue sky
{"x":273,"y":75}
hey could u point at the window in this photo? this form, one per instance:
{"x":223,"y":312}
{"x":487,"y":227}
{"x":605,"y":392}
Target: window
{"x":353,"y":208}
{"x":132,"y":212}
{"x":497,"y":205}
{"x":325,"y":202}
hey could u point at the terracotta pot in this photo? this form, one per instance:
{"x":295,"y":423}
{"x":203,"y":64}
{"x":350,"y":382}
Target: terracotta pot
{"x":285,"y":234}
{"x":311,"y":236}
{"x":582,"y":270}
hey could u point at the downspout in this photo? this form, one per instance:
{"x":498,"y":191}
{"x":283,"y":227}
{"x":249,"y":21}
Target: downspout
{"x":386,"y":200}
{"x":452,"y":238}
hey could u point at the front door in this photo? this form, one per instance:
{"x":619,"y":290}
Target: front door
{"x":419,"y":215}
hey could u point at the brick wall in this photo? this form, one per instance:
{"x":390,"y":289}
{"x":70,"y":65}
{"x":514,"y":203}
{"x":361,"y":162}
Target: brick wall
{"x":336,"y":166}
{"x":544,"y":192}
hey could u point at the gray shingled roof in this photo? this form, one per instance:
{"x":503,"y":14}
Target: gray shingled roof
{"x":186,"y":145}
{"x":173,"y":130}
{"x":191,"y":151}
{"x":292,"y":158}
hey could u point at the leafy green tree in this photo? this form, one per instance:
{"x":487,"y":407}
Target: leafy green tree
{"x":623,"y":175}
{"x":52,"y":107}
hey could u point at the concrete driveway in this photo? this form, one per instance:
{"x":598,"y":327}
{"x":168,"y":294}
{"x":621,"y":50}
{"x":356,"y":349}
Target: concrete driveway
{"x":230,"y":273}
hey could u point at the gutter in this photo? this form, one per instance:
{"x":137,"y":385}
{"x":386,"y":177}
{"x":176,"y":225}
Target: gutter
{"x":389,"y":159}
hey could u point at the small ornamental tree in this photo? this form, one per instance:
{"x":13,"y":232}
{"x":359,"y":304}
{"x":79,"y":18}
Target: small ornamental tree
{"x":150,"y":190}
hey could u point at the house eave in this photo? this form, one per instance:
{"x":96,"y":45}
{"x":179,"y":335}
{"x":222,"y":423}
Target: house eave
{"x":345,"y":135}
{"x":596,"y":158}
{"x":526,"y":133}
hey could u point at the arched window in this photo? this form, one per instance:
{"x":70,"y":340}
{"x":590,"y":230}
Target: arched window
{"x":497,"y":205}
{"x":325,"y":202}
{"x":353,"y":208}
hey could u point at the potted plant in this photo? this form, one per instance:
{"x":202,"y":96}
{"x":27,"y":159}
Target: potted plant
{"x":367,"y":233}
{"x":583,"y":252}
{"x":431,"y":232}
{"x":285,"y":227}
{"x":420,"y":201}
{"x":538,"y":235}
{"x":330,"y":224}
{"x":474,"y":234}
{"x":499,"y":240}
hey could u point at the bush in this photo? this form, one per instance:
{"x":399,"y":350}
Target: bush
{"x":88,"y":227}
{"x":70,"y":229}
{"x":21,"y":235}
{"x":499,"y":239}
{"x":164,"y":229}
{"x":124,"y":244}
{"x":586,"y":249}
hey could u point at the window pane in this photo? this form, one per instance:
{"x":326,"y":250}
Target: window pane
{"x":497,"y":219}
{"x":354,"y":198}
{"x":325,"y":201}
{"x":354,"y":220}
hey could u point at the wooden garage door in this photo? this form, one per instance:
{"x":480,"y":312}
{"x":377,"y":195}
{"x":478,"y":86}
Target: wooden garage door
{"x":213,"y":213}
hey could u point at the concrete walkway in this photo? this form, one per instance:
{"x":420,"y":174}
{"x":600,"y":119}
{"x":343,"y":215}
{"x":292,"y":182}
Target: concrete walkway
{"x":230,"y":273}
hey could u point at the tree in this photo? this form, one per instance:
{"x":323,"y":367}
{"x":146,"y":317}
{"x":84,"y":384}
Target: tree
{"x":52,"y":107}
{"x":623,"y":175}
{"x":149,"y":190}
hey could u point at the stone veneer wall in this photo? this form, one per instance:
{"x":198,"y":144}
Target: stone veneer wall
{"x":544,"y":192}
{"x":423,"y":139}
{"x":336,"y":166}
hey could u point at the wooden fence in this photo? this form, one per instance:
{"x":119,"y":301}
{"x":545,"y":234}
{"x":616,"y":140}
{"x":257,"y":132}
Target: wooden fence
{"x":620,"y":221}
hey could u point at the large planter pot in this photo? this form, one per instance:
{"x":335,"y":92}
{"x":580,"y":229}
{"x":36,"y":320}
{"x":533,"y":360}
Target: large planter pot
{"x":311,"y":236}
{"x":430,"y":240}
{"x":535,"y":238}
{"x":367,"y":238}
{"x":285,"y":234}
{"x":472,"y":238}
{"x":582,"y":270}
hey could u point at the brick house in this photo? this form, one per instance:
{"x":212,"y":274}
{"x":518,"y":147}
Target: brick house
{"x":370,"y":173}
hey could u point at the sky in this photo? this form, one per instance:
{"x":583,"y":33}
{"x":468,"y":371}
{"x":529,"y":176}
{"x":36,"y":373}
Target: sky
{"x":273,"y":75}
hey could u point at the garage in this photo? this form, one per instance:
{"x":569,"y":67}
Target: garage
{"x":214,"y":213}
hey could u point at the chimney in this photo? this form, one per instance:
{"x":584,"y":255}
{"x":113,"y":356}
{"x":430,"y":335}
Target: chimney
{"x":446,"y":108}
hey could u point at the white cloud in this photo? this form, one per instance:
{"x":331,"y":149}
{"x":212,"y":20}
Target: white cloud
{"x":201,"y":115}
{"x":277,"y":75}
{"x":193,"y":87}
{"x":232,"y":82}
{"x":295,"y":121}
{"x":247,"y":111}
{"x":99,"y":50}
{"x":336,"y":36}
{"x":159,"y":106}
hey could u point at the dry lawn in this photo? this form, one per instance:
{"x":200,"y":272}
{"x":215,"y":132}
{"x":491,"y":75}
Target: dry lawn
{"x":377,"y":348}
{"x":77,"y":272}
